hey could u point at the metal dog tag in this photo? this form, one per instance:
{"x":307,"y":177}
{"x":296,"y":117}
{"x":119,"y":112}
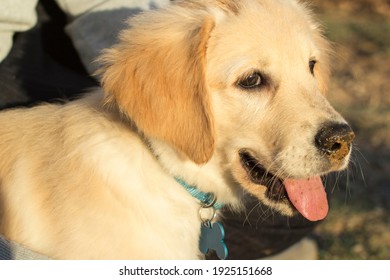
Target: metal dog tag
{"x":212,"y":237}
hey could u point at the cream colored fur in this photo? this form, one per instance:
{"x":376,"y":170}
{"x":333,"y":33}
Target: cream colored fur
{"x":94,"y":178}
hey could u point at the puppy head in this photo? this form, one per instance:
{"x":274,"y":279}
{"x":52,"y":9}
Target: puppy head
{"x":156,"y":75}
{"x":241,"y":81}
{"x":268,"y":68}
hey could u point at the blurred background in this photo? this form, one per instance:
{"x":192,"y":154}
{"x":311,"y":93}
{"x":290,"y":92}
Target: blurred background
{"x":358,"y":225}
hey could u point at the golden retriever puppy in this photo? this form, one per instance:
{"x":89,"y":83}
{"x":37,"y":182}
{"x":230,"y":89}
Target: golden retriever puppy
{"x":204,"y":98}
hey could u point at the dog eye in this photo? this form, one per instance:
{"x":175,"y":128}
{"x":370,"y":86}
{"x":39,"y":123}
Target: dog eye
{"x":252,"y":81}
{"x":312,"y":63}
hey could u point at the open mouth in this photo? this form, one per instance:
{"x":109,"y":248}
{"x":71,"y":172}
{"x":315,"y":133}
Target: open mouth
{"x":307,"y":195}
{"x":260,"y":176}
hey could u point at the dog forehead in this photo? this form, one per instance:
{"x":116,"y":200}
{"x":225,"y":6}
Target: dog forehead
{"x":261,"y":34}
{"x":261,"y":19}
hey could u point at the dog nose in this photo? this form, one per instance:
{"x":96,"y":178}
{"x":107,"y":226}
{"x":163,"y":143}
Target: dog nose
{"x":335,"y":139}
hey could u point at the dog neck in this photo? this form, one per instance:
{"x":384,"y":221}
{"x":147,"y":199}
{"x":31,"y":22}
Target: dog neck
{"x":210,"y":177}
{"x":207,"y":200}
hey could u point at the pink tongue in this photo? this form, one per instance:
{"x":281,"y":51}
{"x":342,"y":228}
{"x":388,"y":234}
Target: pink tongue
{"x":308,"y":196}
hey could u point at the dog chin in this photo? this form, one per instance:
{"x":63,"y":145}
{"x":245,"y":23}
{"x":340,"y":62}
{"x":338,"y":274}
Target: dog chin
{"x":283,"y":206}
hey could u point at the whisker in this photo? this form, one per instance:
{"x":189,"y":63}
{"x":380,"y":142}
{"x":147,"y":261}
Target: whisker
{"x":355,"y":162}
{"x":247,"y":214}
{"x":265,"y":215}
{"x":336,"y":181}
{"x":262,"y":214}
{"x":348,"y":193}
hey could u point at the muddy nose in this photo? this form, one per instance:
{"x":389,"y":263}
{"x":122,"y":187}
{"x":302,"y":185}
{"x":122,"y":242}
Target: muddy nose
{"x":335,"y":139}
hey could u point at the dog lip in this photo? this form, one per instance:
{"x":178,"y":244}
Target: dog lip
{"x":260,"y":176}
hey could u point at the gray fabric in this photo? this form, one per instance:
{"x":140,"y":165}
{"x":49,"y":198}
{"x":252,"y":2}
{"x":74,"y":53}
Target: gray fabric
{"x":98,"y":29}
{"x":15,"y":16}
{"x":95,"y":31}
{"x":20,"y":15}
{"x":12,"y":251}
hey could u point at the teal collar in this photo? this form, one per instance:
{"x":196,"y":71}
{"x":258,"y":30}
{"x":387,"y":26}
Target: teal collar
{"x":206,"y":199}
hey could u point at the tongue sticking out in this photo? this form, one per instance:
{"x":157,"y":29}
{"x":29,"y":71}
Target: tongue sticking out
{"x":308,"y":196}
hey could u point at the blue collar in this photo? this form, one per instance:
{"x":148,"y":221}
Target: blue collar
{"x":207,"y":199}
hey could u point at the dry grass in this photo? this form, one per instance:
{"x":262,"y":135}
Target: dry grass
{"x":358,"y":226}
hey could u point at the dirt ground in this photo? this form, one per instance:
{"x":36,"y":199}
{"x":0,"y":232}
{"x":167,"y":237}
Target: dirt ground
{"x":358,"y":226}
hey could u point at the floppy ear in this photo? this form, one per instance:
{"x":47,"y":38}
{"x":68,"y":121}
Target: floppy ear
{"x":156,"y":76}
{"x":322,"y":69}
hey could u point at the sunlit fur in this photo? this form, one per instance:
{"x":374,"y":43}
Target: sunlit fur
{"x":94,"y":178}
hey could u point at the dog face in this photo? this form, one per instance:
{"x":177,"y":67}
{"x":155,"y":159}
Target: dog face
{"x":268,"y":76}
{"x":241,"y":79}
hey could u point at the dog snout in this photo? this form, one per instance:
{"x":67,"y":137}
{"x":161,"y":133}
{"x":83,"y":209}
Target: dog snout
{"x":335,"y":139}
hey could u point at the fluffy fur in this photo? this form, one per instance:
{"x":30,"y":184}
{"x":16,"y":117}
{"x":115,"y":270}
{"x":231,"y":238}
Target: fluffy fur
{"x":94,"y":178}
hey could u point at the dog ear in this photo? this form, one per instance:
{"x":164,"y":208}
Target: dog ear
{"x":322,"y":70}
{"x":156,"y":76}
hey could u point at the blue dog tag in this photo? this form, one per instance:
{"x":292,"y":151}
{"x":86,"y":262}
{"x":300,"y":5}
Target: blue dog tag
{"x":212,"y":237}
